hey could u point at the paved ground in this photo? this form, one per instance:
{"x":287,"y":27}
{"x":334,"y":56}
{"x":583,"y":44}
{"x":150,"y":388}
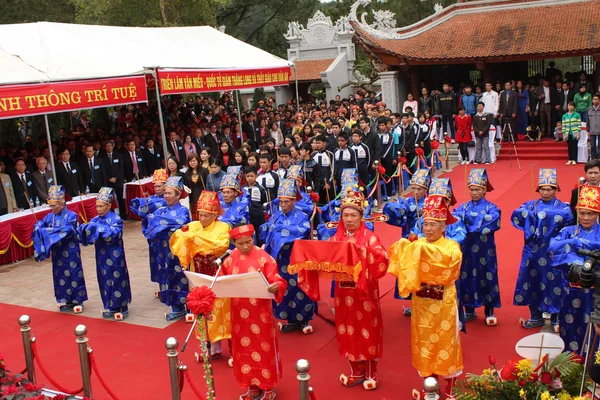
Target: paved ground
{"x":28,"y":283}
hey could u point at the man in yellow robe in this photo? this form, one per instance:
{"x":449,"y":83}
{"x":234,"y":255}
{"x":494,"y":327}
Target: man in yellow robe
{"x":197,"y":245}
{"x":428,"y":268}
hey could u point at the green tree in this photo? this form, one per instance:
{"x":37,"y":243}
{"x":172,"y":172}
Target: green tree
{"x":21,"y":11}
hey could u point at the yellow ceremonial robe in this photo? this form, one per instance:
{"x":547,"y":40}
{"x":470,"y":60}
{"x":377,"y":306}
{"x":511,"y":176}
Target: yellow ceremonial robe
{"x":212,"y":240}
{"x":428,"y":271}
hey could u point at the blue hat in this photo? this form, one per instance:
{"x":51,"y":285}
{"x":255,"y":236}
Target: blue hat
{"x":442,"y":187}
{"x":547,"y":177}
{"x":230,"y":181}
{"x":295,"y":172}
{"x":349,"y":177}
{"x":479,"y":177}
{"x":235,"y":170}
{"x":421,"y":177}
{"x":105,"y":195}
{"x":175,"y":182}
{"x":56,"y":194}
{"x":287,"y":189}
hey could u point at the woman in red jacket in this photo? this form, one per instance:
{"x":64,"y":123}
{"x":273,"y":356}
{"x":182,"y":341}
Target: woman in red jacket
{"x":463,"y":133}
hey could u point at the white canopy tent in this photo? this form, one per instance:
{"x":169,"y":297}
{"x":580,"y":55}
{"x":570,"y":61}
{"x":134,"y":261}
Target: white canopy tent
{"x":47,"y":52}
{"x":44,"y":52}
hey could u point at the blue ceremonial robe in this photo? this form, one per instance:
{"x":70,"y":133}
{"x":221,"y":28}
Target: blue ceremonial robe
{"x":142,"y":207}
{"x":57,"y":234}
{"x":330,"y":213}
{"x":537,"y":284}
{"x":304,"y":204}
{"x":161,"y":225}
{"x":478,"y":283}
{"x":111,"y":268}
{"x":279,"y":234}
{"x":577,"y":303}
{"x":236,"y":212}
{"x":403,"y":213}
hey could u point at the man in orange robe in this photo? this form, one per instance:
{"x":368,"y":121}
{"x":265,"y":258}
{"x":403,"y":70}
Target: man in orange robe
{"x":256,"y":361}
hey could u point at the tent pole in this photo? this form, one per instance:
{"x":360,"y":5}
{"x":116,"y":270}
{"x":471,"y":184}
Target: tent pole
{"x":50,"y":146}
{"x":239,"y":105}
{"x":160,"y":119}
{"x":297,"y":97}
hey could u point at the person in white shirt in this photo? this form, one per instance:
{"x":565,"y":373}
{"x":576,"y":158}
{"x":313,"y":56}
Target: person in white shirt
{"x":491,"y":102}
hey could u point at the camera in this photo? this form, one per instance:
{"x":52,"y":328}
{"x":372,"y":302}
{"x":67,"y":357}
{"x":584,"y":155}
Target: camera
{"x":588,"y":276}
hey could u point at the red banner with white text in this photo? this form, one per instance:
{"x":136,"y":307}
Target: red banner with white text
{"x":53,"y":97}
{"x":177,"y":81}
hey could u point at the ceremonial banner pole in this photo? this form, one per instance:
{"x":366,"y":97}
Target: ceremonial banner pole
{"x":49,"y":137}
{"x":297,"y":97}
{"x":160,"y":118}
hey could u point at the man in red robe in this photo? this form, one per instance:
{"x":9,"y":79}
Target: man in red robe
{"x":256,"y":361}
{"x":357,"y":311}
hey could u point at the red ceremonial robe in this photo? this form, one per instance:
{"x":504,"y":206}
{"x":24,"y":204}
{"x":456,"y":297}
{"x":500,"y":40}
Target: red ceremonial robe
{"x":255,"y":348}
{"x":357,"y":310}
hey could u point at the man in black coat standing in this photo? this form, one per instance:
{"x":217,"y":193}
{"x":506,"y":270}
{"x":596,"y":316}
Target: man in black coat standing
{"x":508,"y":109}
{"x":94,"y":170}
{"x":23,"y":185}
{"x":251,"y":129}
{"x":213,"y":140}
{"x":133,"y":163}
{"x":152,"y":156}
{"x":115,"y":174}
{"x":69,"y":175}
{"x":175,"y":149}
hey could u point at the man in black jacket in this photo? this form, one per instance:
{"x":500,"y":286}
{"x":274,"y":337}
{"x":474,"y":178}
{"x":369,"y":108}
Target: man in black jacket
{"x":23,"y":185}
{"x":152,"y":157}
{"x":133,"y":163}
{"x":508,"y":109}
{"x":175,"y":149}
{"x":115,"y":173}
{"x":93,"y":170}
{"x":69,"y":175}
{"x":447,"y":104}
{"x":251,"y":129}
{"x":371,"y":139}
{"x":311,"y":168}
{"x":213,"y":139}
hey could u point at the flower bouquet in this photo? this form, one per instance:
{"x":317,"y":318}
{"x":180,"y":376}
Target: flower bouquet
{"x":559,"y":379}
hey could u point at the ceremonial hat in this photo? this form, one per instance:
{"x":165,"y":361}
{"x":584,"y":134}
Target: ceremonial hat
{"x":175,"y":182}
{"x":435,"y":209}
{"x":241,"y":231}
{"x":160,"y":175}
{"x":235,"y":170}
{"x":589,"y":198}
{"x":442,"y":187}
{"x":479,"y":177}
{"x":208,"y":202}
{"x":287,"y":189}
{"x":56,"y":194}
{"x":547,"y":177}
{"x":105,"y":195}
{"x":421,"y":177}
{"x":230,"y":181}
{"x":295,"y":172}
{"x":353,"y":197}
{"x":349,"y":176}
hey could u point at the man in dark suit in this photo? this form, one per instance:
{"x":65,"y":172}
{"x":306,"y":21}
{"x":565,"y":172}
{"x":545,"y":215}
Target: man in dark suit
{"x":133,"y":163}
{"x":198,"y":140}
{"x":175,"y":149}
{"x":94,"y":170}
{"x":152,"y":157}
{"x":213,"y":139}
{"x":508,"y":109}
{"x":251,"y":129}
{"x":42,"y":178}
{"x":68,"y":174}
{"x":23,"y":185}
{"x":565,"y":96}
{"x":548,"y":100}
{"x":115,"y":174}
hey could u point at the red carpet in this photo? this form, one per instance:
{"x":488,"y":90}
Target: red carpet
{"x":546,"y":149}
{"x":133,"y":358}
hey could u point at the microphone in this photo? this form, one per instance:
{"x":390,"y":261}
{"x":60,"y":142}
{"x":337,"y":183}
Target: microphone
{"x":220,"y":260}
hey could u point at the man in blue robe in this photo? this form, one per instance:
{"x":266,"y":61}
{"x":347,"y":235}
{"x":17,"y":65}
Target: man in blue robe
{"x":143,"y":206}
{"x":235,"y":204}
{"x":161,"y":225}
{"x":56,"y":233}
{"x":577,"y":303}
{"x":278,"y":234}
{"x":478,"y":283}
{"x":106,"y":232}
{"x":540,"y":220}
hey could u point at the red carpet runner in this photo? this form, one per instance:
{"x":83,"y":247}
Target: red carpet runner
{"x":133,"y":358}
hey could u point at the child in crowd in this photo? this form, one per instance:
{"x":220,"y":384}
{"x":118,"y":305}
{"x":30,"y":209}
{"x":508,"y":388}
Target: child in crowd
{"x":267,"y":178}
{"x":343,"y":158}
{"x":258,"y":197}
{"x":363,"y":157}
{"x":533,"y":133}
{"x":558,"y":135}
{"x":463,"y":133}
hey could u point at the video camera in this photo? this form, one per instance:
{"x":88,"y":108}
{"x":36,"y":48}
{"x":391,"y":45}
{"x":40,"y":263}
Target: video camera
{"x":588,"y":276}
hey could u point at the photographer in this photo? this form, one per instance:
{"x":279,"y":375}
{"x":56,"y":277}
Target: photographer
{"x":592,"y":178}
{"x":577,"y":301}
